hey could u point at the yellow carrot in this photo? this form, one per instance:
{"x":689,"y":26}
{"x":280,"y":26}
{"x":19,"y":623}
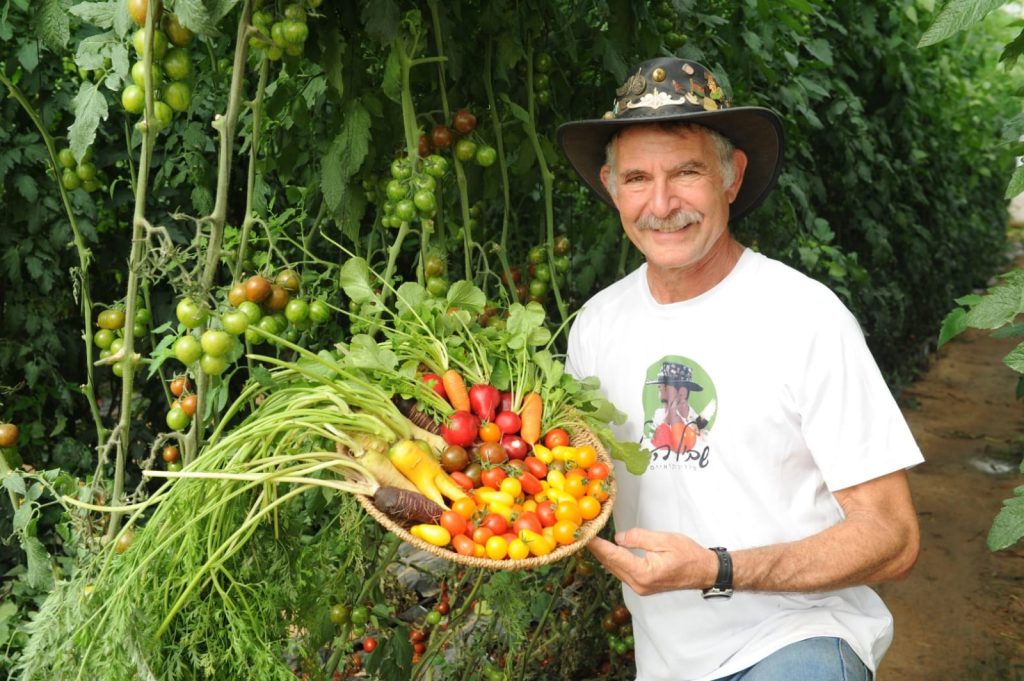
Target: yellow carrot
{"x":456,"y":390}
{"x":530,"y":415}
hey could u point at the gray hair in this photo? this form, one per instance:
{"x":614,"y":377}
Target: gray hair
{"x":723,"y":148}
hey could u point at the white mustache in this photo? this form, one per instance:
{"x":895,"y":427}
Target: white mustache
{"x":672,"y":223}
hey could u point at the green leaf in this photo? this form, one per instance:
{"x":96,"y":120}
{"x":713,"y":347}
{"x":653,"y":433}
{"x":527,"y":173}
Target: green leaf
{"x":52,"y":25}
{"x":409,"y":297}
{"x":202,"y":16}
{"x":90,"y":108}
{"x":465,"y":296}
{"x":1015,"y":359}
{"x":821,"y":50}
{"x":1016,"y":185}
{"x":40,"y":565}
{"x":364,"y":352}
{"x":101,"y":14}
{"x":345,"y":154}
{"x":519,"y":112}
{"x":15,"y":483}
{"x":1008,"y":526}
{"x":953,"y":325}
{"x":956,"y":16}
{"x":391,"y":83}
{"x":380,"y":19}
{"x":355,"y":280}
{"x":999,"y":306}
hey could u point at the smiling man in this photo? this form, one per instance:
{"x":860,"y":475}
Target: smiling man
{"x":748,"y":554}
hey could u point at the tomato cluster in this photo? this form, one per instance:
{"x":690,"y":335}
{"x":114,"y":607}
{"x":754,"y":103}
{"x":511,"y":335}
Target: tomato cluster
{"x":665,"y":21}
{"x":542,"y":64}
{"x":411,"y":193}
{"x":540,"y":274}
{"x":462,"y":137}
{"x":618,"y":625}
{"x":522,"y":499}
{"x":109,"y":336}
{"x":272,"y":306}
{"x":285,"y":32}
{"x":75,"y":175}
{"x":170,"y":72}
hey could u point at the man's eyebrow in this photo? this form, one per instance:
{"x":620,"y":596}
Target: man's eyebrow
{"x":691,"y":165}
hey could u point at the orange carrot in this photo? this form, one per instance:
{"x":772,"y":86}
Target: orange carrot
{"x":530,"y":414}
{"x":455,"y":387}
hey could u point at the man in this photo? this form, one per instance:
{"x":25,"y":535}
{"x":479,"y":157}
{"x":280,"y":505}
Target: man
{"x":751,"y":560}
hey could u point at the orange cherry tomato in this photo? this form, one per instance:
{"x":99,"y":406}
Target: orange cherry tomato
{"x":482,"y":534}
{"x":565,"y":532}
{"x":465,"y":507}
{"x":464,"y":546}
{"x":490,"y":432}
{"x":568,"y":510}
{"x":586,"y":456}
{"x":598,"y":489}
{"x":589,"y":508}
{"x":576,"y":485}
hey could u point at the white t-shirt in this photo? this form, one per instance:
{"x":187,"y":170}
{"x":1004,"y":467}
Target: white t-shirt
{"x":795,"y":407}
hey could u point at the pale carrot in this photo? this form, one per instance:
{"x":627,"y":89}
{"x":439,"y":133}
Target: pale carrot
{"x":455,"y":388}
{"x":530,"y":415}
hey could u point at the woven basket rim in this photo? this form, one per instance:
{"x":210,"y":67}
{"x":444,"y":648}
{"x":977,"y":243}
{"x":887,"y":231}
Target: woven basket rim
{"x":588,"y":530}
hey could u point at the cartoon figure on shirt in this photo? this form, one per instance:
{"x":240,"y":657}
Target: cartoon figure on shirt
{"x":679,"y":422}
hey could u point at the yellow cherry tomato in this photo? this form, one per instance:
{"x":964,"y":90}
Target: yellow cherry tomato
{"x":504,"y":510}
{"x":565,"y":532}
{"x":564,"y":453}
{"x":556,"y":480}
{"x":586,"y":456}
{"x":530,"y":504}
{"x":543,"y":453}
{"x":496,"y":548}
{"x":512,"y":487}
{"x":537,"y":543}
{"x":432,"y":534}
{"x":517,"y":549}
{"x":479,"y":551}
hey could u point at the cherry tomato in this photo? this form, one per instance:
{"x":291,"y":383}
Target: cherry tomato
{"x":492,"y":453}
{"x":257,"y":288}
{"x":464,"y":121}
{"x":369,"y":644}
{"x":598,"y":471}
{"x":453,"y":522}
{"x":485,"y":156}
{"x":465,"y":149}
{"x":360,"y":615}
{"x":546,"y":513}
{"x":189,"y":404}
{"x":527,"y":520}
{"x":589,"y":507}
{"x":565,"y":532}
{"x":441,"y":136}
{"x":187,"y":349}
{"x":492,"y":477}
{"x":511,"y":486}
{"x":482,"y":534}
{"x":463,"y":545}
{"x":463,"y":480}
{"x":454,"y":458}
{"x":576,"y":485}
{"x":496,"y":548}
{"x":9,"y":433}
{"x":179,"y":385}
{"x":465,"y":507}
{"x":177,"y":419}
{"x":491,"y":432}
{"x":517,"y":549}
{"x":556,"y":437}
{"x":277,"y":300}
{"x":190,"y":313}
{"x":586,"y":456}
{"x":598,"y":489}
{"x":495,"y":523}
{"x":138,"y":9}
{"x":536,"y":467}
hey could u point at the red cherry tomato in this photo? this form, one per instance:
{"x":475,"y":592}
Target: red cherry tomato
{"x":509,"y":422}
{"x":454,"y":523}
{"x":527,"y":520}
{"x":546,"y":513}
{"x":463,"y":480}
{"x":369,"y":644}
{"x":495,"y":523}
{"x":434,"y":381}
{"x":539,"y":469}
{"x":556,"y":437}
{"x":492,"y":477}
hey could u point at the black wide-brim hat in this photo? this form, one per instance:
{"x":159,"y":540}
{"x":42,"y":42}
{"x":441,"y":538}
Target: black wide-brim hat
{"x":670,"y":89}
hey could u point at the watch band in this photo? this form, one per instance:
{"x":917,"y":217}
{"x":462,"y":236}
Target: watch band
{"x":723,"y":583}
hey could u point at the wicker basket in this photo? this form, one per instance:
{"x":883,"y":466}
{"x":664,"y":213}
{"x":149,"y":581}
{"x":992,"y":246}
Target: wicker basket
{"x":588,"y":530}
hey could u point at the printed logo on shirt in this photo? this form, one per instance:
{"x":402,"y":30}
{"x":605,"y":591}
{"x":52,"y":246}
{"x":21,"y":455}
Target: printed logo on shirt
{"x":680,"y":405}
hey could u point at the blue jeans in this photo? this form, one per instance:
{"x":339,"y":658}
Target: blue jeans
{"x":813,"y":659}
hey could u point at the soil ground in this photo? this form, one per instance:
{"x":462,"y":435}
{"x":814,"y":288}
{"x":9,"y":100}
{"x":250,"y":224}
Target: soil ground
{"x":959,"y":616}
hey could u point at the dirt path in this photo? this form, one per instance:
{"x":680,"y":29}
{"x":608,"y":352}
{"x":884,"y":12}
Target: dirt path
{"x":960,"y":615}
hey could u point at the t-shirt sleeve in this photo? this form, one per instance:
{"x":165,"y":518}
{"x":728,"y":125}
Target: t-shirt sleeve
{"x":576,"y":363}
{"x":850,"y":420}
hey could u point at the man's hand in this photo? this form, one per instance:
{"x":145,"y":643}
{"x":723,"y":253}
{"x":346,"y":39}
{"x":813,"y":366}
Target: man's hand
{"x":671,"y":562}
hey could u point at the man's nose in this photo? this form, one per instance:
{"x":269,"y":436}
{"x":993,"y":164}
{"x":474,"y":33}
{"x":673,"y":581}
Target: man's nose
{"x":662,"y":202}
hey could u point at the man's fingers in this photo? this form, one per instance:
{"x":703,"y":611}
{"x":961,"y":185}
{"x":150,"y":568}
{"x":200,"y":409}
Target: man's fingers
{"x":639,"y":538}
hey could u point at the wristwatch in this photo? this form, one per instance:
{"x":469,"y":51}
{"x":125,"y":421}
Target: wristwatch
{"x":723,"y":583}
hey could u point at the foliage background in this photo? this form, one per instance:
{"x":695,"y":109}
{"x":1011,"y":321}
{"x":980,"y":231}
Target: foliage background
{"x":891,"y":193}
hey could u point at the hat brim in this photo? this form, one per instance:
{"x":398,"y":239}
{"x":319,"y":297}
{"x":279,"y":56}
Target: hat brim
{"x":692,"y":387}
{"x":755,"y":130}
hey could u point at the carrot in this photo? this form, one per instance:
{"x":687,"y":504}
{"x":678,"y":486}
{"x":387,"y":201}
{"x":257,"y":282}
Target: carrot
{"x":407,"y":506}
{"x":530,"y":414}
{"x":455,"y":387}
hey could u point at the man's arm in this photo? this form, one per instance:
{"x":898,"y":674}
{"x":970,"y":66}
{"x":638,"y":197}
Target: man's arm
{"x":878,"y":541}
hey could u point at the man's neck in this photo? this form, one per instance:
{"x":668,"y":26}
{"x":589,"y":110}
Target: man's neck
{"x":676,"y":285}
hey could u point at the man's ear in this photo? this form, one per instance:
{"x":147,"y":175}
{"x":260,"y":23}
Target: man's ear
{"x":605,"y":172}
{"x":739,"y":164}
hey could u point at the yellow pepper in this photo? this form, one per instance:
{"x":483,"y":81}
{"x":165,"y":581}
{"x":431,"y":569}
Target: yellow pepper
{"x":432,"y":534}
